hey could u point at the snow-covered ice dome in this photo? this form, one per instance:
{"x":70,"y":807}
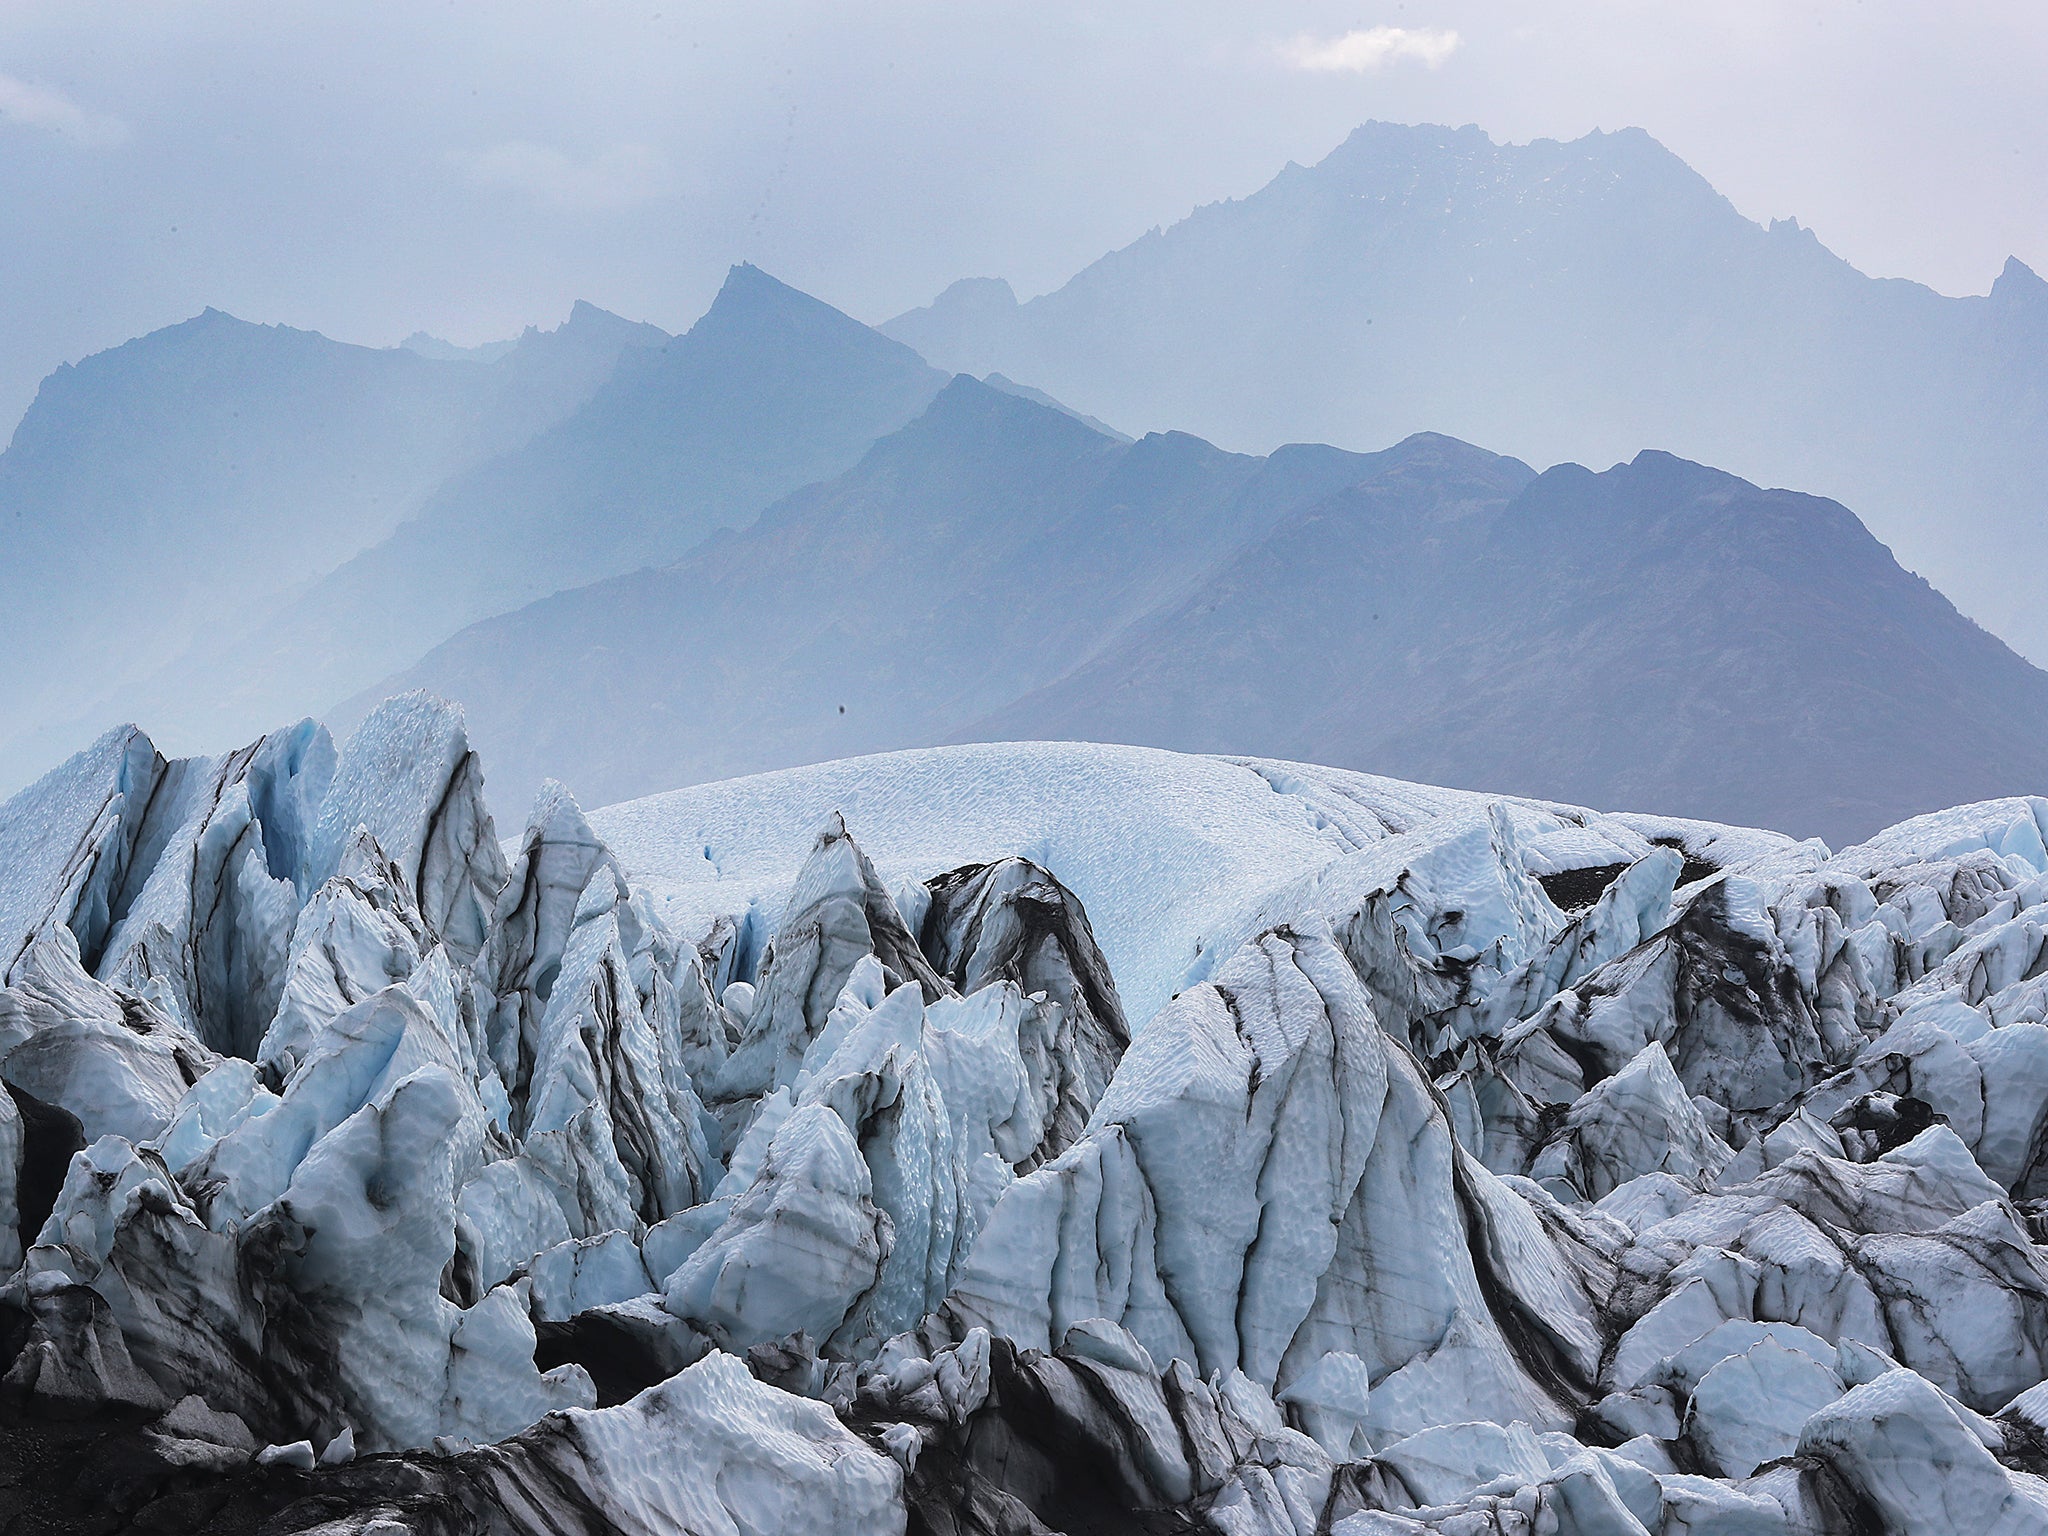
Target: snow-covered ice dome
{"x":1167,"y":850}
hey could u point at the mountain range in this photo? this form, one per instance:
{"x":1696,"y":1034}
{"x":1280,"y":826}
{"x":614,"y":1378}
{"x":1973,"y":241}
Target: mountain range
{"x":174,"y":491}
{"x":771,"y":390}
{"x":1559,"y":301}
{"x":1660,"y":635}
{"x":645,"y":560}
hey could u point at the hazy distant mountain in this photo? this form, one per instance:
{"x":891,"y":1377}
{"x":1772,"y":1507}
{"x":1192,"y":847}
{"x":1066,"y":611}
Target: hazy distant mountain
{"x":771,"y":390}
{"x":197,"y":475}
{"x":1662,"y":635}
{"x":975,"y":555}
{"x":1026,"y":392}
{"x":223,"y":524}
{"x":541,"y":377}
{"x":428,"y":345}
{"x":1561,"y":302}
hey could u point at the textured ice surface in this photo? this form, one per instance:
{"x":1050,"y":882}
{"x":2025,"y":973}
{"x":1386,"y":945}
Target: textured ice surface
{"x":65,"y":841}
{"x":1088,"y":1138}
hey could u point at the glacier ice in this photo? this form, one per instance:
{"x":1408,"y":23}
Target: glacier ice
{"x":1037,"y":1138}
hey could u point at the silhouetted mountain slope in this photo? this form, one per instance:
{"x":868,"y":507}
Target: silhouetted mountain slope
{"x":771,"y":390}
{"x":1662,"y":636}
{"x":1561,"y":302}
{"x":973,"y":556}
{"x":1026,"y":392}
{"x":199,"y":474}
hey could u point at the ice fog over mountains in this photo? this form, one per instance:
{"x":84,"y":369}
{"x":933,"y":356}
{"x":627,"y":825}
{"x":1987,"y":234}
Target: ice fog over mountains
{"x":646,"y":444}
{"x":1576,"y":301}
{"x":782,"y":537}
{"x":1000,"y":1139}
{"x":179,"y":489}
{"x":1660,"y":635}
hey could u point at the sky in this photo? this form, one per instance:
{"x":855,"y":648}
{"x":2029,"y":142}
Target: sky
{"x":374,"y":167}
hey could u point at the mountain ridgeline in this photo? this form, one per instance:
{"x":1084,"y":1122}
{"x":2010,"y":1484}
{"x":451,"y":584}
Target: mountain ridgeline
{"x":1559,"y":301}
{"x":771,"y":390}
{"x":1660,"y":635}
{"x":178,"y":490}
{"x":643,"y":561}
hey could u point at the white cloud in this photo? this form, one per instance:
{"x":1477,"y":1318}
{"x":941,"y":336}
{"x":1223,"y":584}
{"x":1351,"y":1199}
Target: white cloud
{"x":26,"y":105}
{"x":1370,"y":49}
{"x":623,"y":176}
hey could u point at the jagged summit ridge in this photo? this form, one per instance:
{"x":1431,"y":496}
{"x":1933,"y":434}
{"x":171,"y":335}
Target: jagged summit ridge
{"x":1494,"y":1164}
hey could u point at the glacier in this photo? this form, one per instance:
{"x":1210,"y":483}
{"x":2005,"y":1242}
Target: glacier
{"x":1043,"y":1137}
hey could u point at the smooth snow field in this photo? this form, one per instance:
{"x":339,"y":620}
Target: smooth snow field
{"x":1168,"y":851}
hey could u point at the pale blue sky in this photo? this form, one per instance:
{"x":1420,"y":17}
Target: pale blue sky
{"x":370,"y":167}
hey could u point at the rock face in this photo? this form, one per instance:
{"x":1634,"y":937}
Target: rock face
{"x":1510,"y":1168}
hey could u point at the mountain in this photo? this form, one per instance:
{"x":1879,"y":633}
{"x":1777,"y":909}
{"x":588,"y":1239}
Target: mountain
{"x":1041,"y":1137}
{"x":429,"y":345}
{"x":973,"y":556}
{"x":771,"y":390}
{"x":188,"y":481}
{"x":1559,"y":302}
{"x":1660,"y":635}
{"x":1026,"y":392}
